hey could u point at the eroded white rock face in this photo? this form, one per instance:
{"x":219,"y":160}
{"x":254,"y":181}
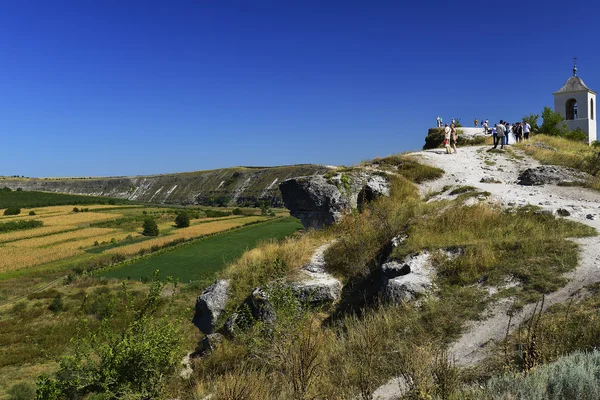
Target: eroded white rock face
{"x":407,"y":279}
{"x":314,"y":284}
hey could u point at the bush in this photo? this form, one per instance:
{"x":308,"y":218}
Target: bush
{"x":182,"y":220}
{"x":577,"y":135}
{"x":134,"y":360}
{"x":32,"y":212}
{"x":553,"y":123}
{"x":75,"y":209}
{"x":237,"y":211}
{"x":12,"y":211}
{"x":22,"y":391}
{"x":57,"y":304}
{"x":150,"y":228}
{"x":572,"y":377}
{"x":19,"y":225}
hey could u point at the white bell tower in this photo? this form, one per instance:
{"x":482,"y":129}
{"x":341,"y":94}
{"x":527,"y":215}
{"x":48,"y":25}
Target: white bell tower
{"x":577,"y":104}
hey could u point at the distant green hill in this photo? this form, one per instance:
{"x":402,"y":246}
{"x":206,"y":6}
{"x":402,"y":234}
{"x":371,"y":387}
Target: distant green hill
{"x":27,"y":199}
{"x":245,"y":186}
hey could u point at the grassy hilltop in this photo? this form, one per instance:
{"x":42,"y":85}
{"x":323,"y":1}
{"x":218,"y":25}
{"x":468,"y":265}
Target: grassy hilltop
{"x":130,"y":338}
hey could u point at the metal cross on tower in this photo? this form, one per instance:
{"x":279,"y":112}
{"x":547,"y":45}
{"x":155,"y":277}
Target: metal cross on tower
{"x":574,"y":66}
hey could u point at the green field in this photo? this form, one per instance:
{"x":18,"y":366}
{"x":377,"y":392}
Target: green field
{"x":25,"y":199}
{"x":201,"y":259}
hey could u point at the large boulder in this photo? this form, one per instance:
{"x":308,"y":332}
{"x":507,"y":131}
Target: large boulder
{"x":210,"y":304}
{"x":321,"y":201}
{"x":553,"y":175}
{"x":406,"y":280}
{"x":313,"y":284}
{"x":466,"y":136}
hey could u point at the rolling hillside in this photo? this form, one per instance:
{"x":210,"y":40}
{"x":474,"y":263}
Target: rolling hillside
{"x":227,"y":186}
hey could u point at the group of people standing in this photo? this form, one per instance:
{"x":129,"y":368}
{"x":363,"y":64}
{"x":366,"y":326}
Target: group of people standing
{"x":502,"y":133}
{"x":440,"y":122}
{"x":450,"y":138}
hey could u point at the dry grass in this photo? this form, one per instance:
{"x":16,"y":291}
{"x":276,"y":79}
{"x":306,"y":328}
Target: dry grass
{"x":496,"y":244}
{"x":62,"y":237}
{"x":31,"y":233}
{"x":269,"y":261}
{"x":78,"y":218}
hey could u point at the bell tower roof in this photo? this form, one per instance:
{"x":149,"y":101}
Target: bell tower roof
{"x":574,"y":84}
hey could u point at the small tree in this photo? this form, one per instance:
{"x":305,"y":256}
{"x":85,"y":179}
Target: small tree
{"x":532,"y":120}
{"x":182,"y":220}
{"x":553,"y":123}
{"x":12,"y":211}
{"x":150,"y":227}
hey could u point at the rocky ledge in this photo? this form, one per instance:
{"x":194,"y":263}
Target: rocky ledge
{"x":321,"y":201}
{"x":553,"y":175}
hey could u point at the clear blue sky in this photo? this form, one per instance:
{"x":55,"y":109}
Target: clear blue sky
{"x":123,"y":87}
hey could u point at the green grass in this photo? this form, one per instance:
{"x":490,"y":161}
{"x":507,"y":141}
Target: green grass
{"x":19,"y":225}
{"x":201,"y":259}
{"x":25,"y":199}
{"x":533,"y":248}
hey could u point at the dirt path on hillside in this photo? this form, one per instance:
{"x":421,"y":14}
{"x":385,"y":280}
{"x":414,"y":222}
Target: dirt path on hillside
{"x":468,"y":167}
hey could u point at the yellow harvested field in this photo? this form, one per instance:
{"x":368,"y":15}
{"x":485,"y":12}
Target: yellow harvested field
{"x":31,"y":233}
{"x":89,"y":242}
{"x":78,"y":218}
{"x":186,"y":233}
{"x":13,"y":258}
{"x":61,"y":237}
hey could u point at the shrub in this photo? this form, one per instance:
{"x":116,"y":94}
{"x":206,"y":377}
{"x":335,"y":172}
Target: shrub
{"x":571,"y":377}
{"x":577,"y":135}
{"x":19,"y":225}
{"x":553,"y":123}
{"x":75,"y":209}
{"x":12,"y":211}
{"x":182,"y":220}
{"x":131,"y":360}
{"x":237,"y":211}
{"x":150,"y":228}
{"x":32,"y":212}
{"x":57,"y":304}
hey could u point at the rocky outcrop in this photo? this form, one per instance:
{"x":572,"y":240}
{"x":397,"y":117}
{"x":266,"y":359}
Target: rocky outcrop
{"x":466,"y":136}
{"x":553,"y":175}
{"x":406,"y":280}
{"x":314,"y":285}
{"x":228,"y":186}
{"x":260,"y":306}
{"x":319,"y":201}
{"x":210,"y":304}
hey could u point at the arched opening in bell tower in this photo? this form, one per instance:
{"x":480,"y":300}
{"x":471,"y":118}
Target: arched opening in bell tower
{"x":592,"y":108}
{"x":571,"y":111}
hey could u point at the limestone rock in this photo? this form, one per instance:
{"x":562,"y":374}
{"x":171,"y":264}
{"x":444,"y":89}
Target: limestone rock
{"x":210,"y":343}
{"x":543,"y":146}
{"x":406,"y":280}
{"x":210,"y":304}
{"x":552,"y":174}
{"x":314,"y":284}
{"x":260,"y":306}
{"x":318,"y":201}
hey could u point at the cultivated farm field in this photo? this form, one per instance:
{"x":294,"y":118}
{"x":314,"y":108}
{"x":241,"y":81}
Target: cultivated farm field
{"x":61,"y":262}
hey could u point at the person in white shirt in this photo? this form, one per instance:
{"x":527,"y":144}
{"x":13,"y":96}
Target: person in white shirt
{"x":526,"y":130}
